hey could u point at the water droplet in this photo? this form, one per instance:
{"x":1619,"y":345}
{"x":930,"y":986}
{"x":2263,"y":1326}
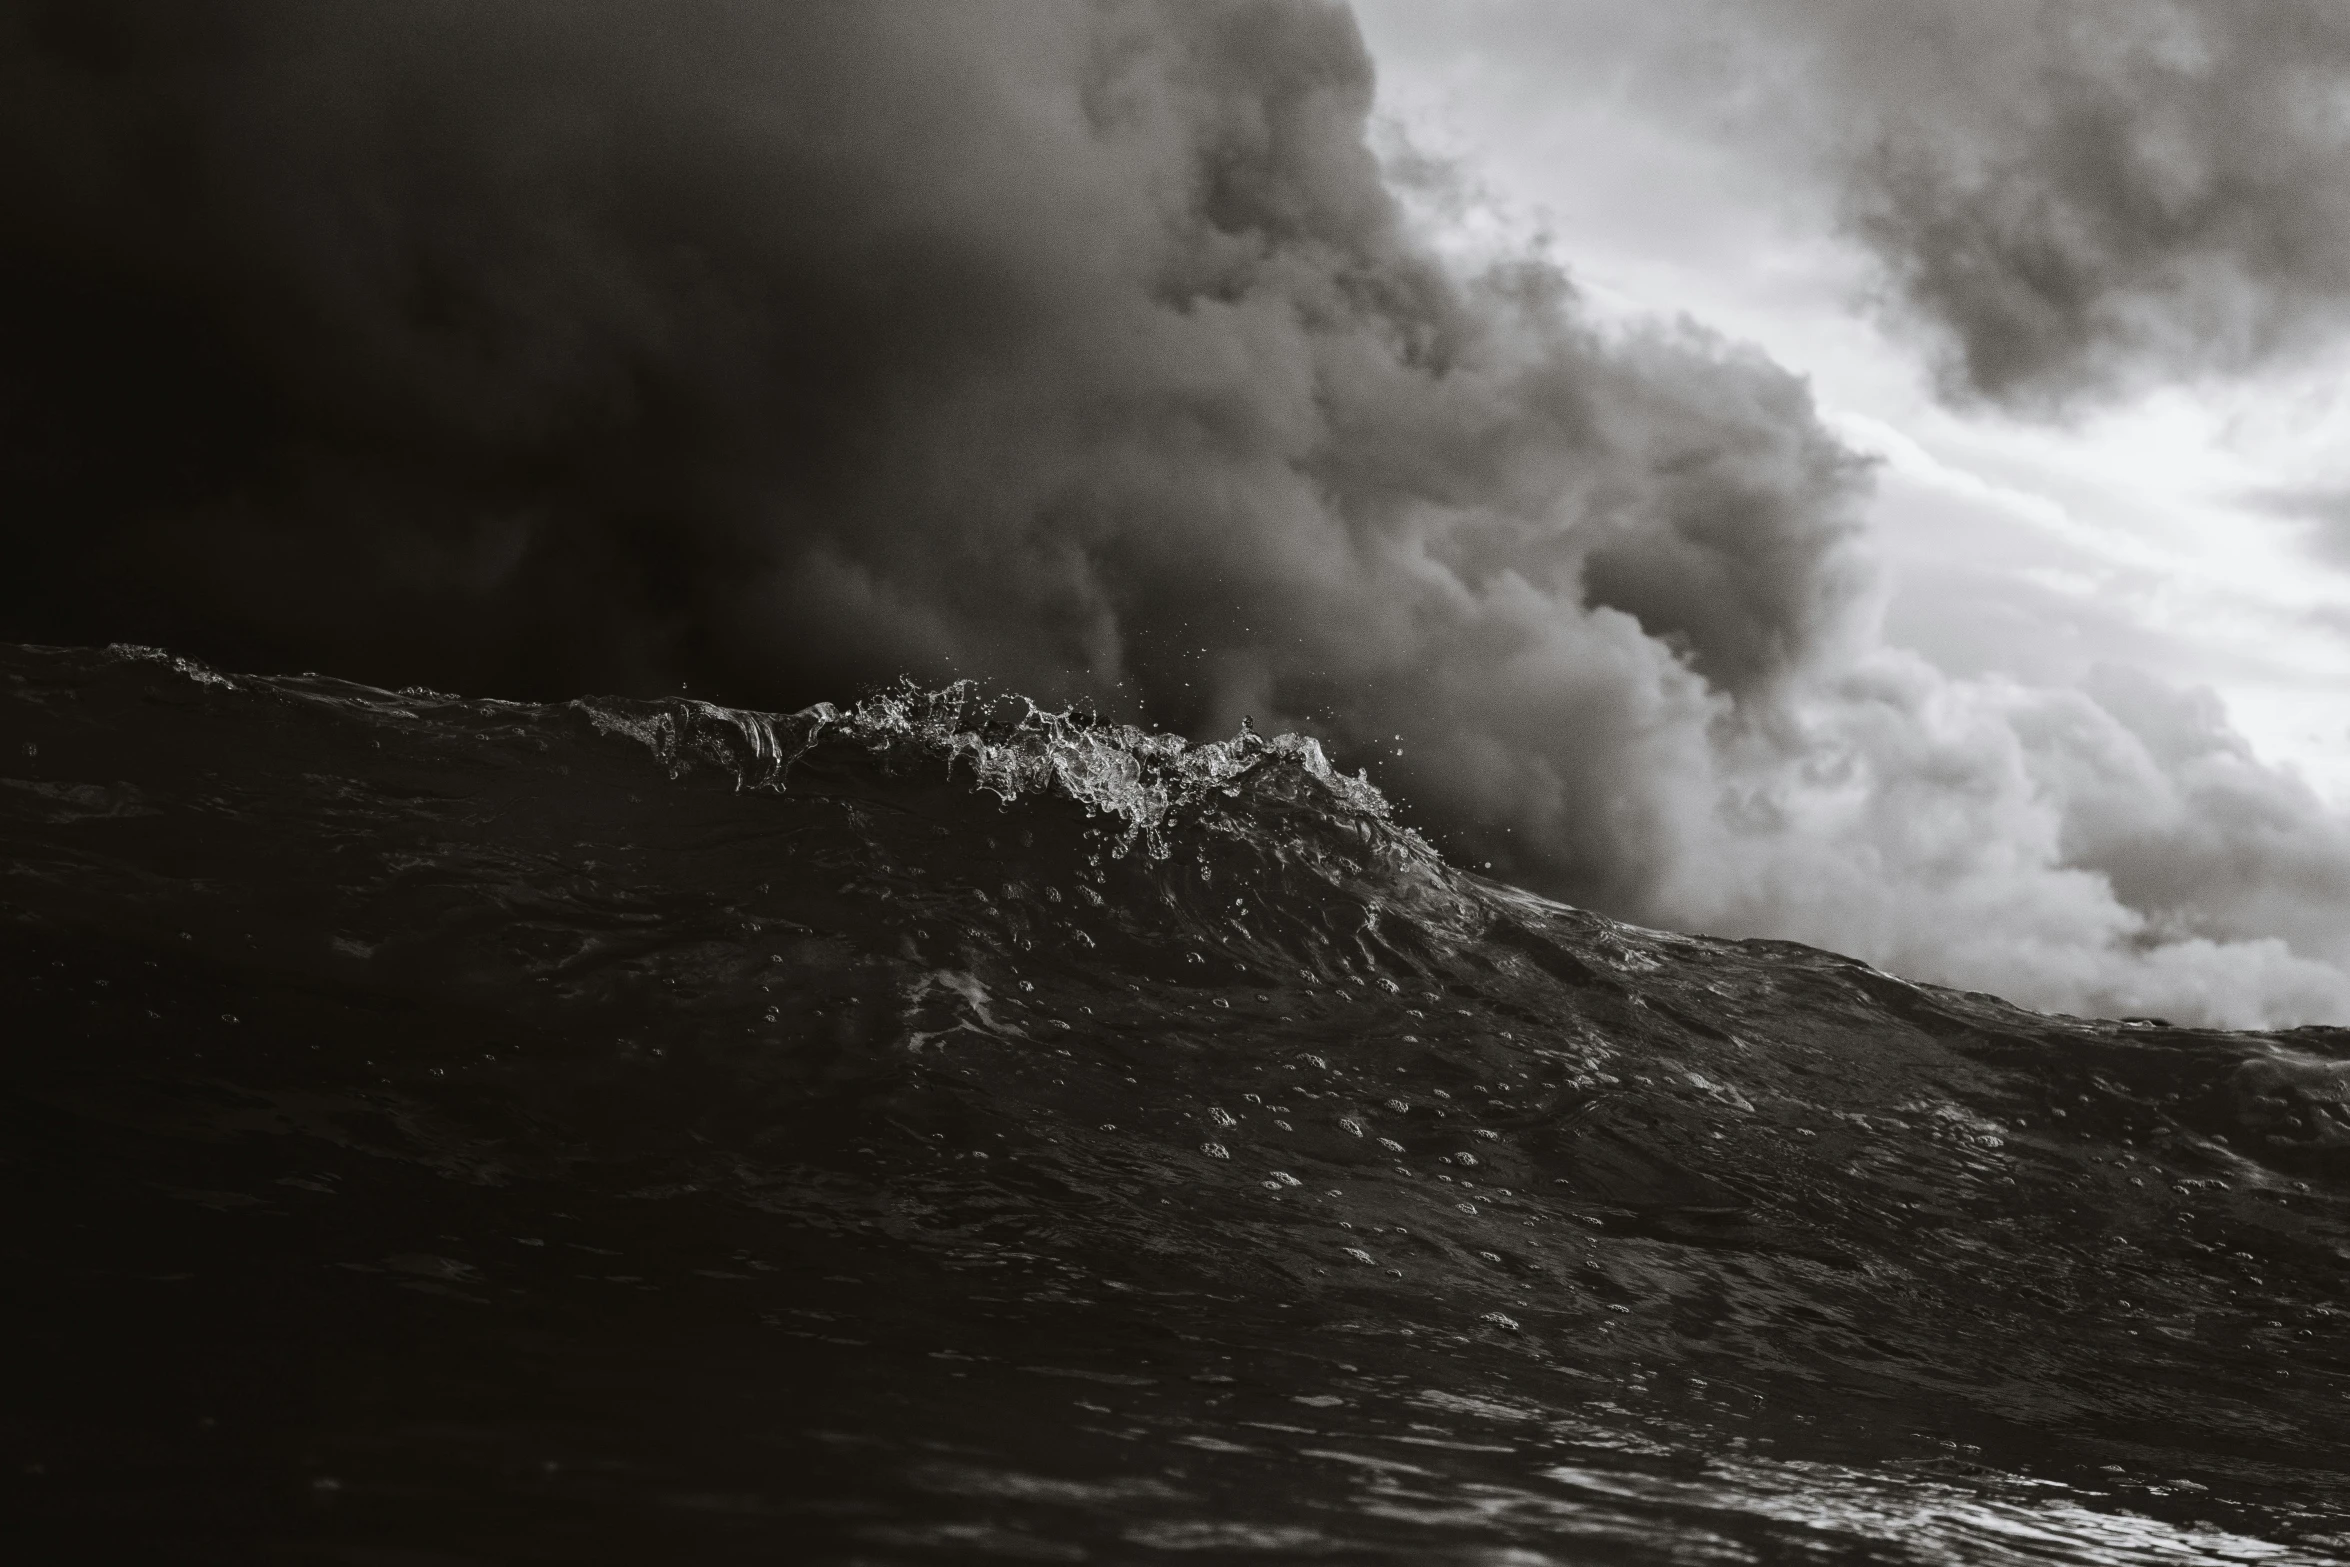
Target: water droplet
{"x":1221,"y":1117}
{"x":1215,"y":1150}
{"x":1400,"y":1107}
{"x":1360,"y":1255}
{"x":1391,"y":1145}
{"x":1466,"y":1207}
{"x":1506,"y":1323}
{"x":1464,"y":1158}
{"x":1350,"y":1126}
{"x":1284,"y":1178}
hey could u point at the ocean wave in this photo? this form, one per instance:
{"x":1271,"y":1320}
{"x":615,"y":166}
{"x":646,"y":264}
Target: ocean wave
{"x":1137,"y":1118}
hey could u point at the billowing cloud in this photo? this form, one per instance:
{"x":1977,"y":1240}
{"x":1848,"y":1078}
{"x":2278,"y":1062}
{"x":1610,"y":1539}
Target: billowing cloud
{"x":2115,"y":849}
{"x":781,"y":348}
{"x":2082,"y":196}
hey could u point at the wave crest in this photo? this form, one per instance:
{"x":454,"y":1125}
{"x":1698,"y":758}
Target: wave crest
{"x":1012,"y":748}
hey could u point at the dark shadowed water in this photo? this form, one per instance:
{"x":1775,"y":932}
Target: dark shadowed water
{"x":445,"y":1131}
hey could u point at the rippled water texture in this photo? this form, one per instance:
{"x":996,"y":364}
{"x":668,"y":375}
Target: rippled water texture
{"x":445,"y":1131}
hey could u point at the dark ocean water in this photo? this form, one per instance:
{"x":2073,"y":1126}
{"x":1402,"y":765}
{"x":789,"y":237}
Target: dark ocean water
{"x":446,"y":1131}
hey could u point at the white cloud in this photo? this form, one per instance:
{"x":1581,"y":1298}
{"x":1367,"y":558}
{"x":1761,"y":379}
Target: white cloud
{"x":2070,"y":763}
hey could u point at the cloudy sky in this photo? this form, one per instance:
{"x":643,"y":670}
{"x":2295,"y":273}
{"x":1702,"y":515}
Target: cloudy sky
{"x":2091,"y":332}
{"x":2189,"y":516}
{"x":1866,"y":475}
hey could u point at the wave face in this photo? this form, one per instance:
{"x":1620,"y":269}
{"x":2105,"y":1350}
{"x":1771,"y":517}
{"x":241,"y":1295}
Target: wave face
{"x":457,"y":1131}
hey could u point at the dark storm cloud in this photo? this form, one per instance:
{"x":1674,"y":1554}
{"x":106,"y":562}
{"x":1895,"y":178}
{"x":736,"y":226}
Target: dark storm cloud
{"x":790,"y":346}
{"x":2084,"y":195}
{"x":783,"y":348}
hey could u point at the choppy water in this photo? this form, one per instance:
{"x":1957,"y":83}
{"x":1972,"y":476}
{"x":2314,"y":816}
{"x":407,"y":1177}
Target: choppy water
{"x":442,"y":1131}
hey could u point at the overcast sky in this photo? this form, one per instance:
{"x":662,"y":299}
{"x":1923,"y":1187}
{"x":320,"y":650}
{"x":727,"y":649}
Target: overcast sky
{"x":2154,"y":526}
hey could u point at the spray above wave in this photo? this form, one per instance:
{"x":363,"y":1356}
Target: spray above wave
{"x":1254,"y":838}
{"x":1010,"y":746}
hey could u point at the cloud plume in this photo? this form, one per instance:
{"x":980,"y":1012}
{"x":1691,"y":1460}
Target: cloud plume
{"x":781,"y":348}
{"x":2082,"y":196}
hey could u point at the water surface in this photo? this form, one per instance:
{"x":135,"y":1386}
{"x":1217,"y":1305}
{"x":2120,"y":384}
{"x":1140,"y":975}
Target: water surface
{"x":457,"y":1131}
